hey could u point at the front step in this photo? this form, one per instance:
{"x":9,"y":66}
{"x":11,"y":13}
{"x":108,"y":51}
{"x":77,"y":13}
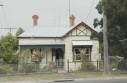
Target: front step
{"x":61,"y":70}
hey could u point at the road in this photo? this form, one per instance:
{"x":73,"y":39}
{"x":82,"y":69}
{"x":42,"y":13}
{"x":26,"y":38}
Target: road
{"x":97,"y":81}
{"x":118,"y":80}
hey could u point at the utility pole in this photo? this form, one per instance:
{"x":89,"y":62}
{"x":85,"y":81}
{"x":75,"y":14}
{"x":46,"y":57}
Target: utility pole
{"x":69,"y":12}
{"x":105,"y":42}
{"x":10,"y":29}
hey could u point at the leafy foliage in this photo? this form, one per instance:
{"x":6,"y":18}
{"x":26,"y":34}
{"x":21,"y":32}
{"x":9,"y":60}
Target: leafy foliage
{"x":86,"y":64}
{"x":19,"y":31}
{"x":116,"y":11}
{"x":37,"y":56}
{"x":6,"y":69}
{"x":8,"y":47}
{"x":24,"y":57}
{"x":100,"y":39}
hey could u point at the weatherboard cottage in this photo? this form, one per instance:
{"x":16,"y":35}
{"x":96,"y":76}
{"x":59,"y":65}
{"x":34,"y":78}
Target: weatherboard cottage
{"x":61,"y":43}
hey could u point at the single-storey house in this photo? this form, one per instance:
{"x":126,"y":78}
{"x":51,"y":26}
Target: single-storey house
{"x":61,"y":43}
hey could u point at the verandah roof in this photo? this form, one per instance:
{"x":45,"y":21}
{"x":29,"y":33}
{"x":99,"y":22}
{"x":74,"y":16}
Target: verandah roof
{"x":80,"y":43}
{"x":41,"y":42}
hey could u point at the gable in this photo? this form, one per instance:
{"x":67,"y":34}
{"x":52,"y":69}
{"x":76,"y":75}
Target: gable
{"x":81,"y":30}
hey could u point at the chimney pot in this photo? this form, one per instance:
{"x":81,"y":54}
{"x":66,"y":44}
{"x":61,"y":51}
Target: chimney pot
{"x":72,"y":20}
{"x":35,"y":20}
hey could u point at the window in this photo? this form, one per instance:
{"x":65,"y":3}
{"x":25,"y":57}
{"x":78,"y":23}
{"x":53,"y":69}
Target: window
{"x":77,"y":55}
{"x":78,"y":51}
{"x":36,"y":54}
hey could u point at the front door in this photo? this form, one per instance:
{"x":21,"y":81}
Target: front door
{"x":58,"y":55}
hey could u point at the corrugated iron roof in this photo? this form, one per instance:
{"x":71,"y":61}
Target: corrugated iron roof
{"x":46,"y":32}
{"x":51,"y":31}
{"x":41,"y":42}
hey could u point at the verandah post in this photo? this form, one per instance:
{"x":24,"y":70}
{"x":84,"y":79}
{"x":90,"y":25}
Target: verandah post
{"x":68,"y":65}
{"x":97,"y":65}
{"x":57,"y":66}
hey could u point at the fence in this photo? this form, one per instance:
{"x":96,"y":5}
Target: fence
{"x":53,"y":67}
{"x":29,"y":68}
{"x":97,"y":66}
{"x":87,"y":66}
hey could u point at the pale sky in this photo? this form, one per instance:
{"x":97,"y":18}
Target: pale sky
{"x":51,"y":13}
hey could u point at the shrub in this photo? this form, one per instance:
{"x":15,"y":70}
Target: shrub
{"x":10,"y":70}
{"x":6,"y":69}
{"x":30,"y":68}
{"x":112,"y":65}
{"x":2,"y":70}
{"x":87,"y":66}
{"x":46,"y":68}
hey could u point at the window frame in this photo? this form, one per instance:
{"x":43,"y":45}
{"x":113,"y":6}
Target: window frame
{"x":81,"y":47}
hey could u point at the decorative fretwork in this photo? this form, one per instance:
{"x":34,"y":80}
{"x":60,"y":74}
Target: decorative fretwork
{"x":81,"y":31}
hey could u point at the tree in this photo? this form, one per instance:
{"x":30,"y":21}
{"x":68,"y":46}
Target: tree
{"x":116,"y":11}
{"x":19,"y":31}
{"x":24,"y":57}
{"x":100,"y":39}
{"x":8,"y":47}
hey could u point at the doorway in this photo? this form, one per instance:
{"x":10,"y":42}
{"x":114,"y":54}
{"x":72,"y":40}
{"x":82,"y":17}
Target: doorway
{"x":58,"y":55}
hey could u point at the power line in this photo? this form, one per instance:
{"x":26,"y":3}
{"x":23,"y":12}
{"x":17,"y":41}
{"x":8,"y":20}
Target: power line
{"x":69,"y":7}
{"x":10,"y":28}
{"x":5,"y":16}
{"x":0,"y":21}
{"x":90,"y":10}
{"x":76,"y":12}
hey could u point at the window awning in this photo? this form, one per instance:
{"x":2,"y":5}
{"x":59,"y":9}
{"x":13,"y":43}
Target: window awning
{"x":79,"y":43}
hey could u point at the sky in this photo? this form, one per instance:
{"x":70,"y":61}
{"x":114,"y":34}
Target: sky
{"x":18,"y":13}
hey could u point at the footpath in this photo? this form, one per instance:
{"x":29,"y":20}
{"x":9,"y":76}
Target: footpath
{"x":63,"y":80}
{"x":67,"y":77}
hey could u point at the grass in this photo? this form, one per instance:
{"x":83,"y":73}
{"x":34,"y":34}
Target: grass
{"x":88,"y":74}
{"x":119,"y":73}
{"x":31,"y":77}
{"x":53,"y":76}
{"x":100,"y":74}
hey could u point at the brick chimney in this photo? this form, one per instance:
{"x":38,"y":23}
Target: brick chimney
{"x":72,"y":20}
{"x":35,"y":20}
